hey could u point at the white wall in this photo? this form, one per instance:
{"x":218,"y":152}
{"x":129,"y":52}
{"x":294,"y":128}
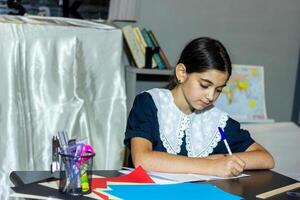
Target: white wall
{"x":259,"y":32}
{"x":282,"y":141}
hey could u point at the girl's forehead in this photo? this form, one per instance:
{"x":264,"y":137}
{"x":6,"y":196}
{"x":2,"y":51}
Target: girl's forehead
{"x":212,"y":73}
{"x":216,"y":77}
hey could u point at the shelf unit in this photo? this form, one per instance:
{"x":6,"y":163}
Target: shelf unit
{"x":134,"y":74}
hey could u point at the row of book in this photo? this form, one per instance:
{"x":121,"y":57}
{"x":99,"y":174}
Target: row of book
{"x":141,"y":43}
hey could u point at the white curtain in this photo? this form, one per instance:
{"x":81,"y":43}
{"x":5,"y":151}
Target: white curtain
{"x":59,"y":78}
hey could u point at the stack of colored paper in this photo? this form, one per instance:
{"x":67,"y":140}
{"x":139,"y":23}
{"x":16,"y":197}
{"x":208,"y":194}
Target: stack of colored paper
{"x":139,"y":185}
{"x":135,"y":185}
{"x":178,"y":191}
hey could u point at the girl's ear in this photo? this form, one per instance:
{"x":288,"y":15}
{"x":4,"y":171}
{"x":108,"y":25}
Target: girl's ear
{"x":181,"y":74}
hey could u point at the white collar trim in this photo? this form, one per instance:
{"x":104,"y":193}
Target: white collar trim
{"x":200,"y":127}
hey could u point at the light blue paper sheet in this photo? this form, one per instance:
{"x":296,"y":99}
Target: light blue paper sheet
{"x":170,"y":191}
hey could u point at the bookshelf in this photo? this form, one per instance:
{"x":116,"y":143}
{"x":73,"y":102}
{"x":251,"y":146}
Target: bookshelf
{"x":139,"y":79}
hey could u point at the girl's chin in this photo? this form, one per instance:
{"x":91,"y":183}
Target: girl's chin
{"x":198,"y":107}
{"x":201,"y":106}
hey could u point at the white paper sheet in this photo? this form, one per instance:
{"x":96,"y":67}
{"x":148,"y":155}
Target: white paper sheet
{"x":167,"y":178}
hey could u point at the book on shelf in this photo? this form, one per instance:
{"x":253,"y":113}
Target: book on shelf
{"x":142,"y":43}
{"x":128,"y":53}
{"x":135,"y":52}
{"x":158,"y":60}
{"x":161,"y":52}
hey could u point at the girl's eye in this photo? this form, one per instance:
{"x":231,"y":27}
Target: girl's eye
{"x":219,"y":90}
{"x":204,"y":86}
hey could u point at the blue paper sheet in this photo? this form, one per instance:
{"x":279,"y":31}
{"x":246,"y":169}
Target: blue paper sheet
{"x":170,"y":191}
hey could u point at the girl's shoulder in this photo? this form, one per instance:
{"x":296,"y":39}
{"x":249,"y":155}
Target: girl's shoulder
{"x":148,"y":95}
{"x":144,"y":101}
{"x":161,"y":97}
{"x":161,"y":92}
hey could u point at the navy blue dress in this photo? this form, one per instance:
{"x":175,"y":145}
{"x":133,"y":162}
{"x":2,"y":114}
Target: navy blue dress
{"x":143,"y":122}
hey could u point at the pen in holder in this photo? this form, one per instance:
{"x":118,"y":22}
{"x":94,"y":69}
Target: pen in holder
{"x":76,"y":173}
{"x":55,"y":157}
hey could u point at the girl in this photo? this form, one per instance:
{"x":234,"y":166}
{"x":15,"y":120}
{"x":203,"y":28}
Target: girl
{"x":176,"y":129}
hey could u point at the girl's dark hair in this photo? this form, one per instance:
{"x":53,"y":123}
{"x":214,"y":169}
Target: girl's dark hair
{"x":202,"y":54}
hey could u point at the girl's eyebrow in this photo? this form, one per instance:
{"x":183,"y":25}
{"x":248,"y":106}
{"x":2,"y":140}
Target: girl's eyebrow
{"x":210,"y":82}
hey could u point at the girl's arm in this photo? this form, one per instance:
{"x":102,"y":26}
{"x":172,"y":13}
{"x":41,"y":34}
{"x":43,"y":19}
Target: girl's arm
{"x":142,"y":154}
{"x":256,"y":157}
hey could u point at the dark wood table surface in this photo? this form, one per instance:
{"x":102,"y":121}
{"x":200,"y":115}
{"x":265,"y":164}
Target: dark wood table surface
{"x":258,"y":182}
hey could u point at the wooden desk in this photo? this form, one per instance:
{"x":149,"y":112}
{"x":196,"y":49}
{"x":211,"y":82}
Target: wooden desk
{"x":248,"y":187}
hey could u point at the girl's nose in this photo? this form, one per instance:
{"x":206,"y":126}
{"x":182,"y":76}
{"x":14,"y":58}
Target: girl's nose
{"x":210,"y":95}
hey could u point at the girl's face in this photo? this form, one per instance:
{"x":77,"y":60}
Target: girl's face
{"x":200,"y":90}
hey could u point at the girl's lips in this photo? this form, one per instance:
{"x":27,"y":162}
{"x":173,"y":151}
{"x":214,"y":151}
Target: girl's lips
{"x":204,"y":103}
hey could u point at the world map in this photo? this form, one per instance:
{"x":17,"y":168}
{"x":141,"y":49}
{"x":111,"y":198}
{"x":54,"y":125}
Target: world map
{"x":243,"y":98}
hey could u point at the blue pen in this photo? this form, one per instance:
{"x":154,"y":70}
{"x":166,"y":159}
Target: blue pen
{"x":224,"y":140}
{"x":294,"y":194}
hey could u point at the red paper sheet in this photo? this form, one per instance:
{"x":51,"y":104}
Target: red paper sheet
{"x":139,"y":175}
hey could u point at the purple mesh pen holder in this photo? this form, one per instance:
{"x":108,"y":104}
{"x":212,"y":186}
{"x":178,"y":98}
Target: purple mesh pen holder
{"x":76,"y":174}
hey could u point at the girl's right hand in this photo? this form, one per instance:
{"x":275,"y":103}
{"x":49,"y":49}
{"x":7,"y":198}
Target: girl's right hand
{"x":230,"y":165}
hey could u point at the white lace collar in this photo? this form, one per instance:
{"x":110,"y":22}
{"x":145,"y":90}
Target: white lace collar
{"x":200,"y":127}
